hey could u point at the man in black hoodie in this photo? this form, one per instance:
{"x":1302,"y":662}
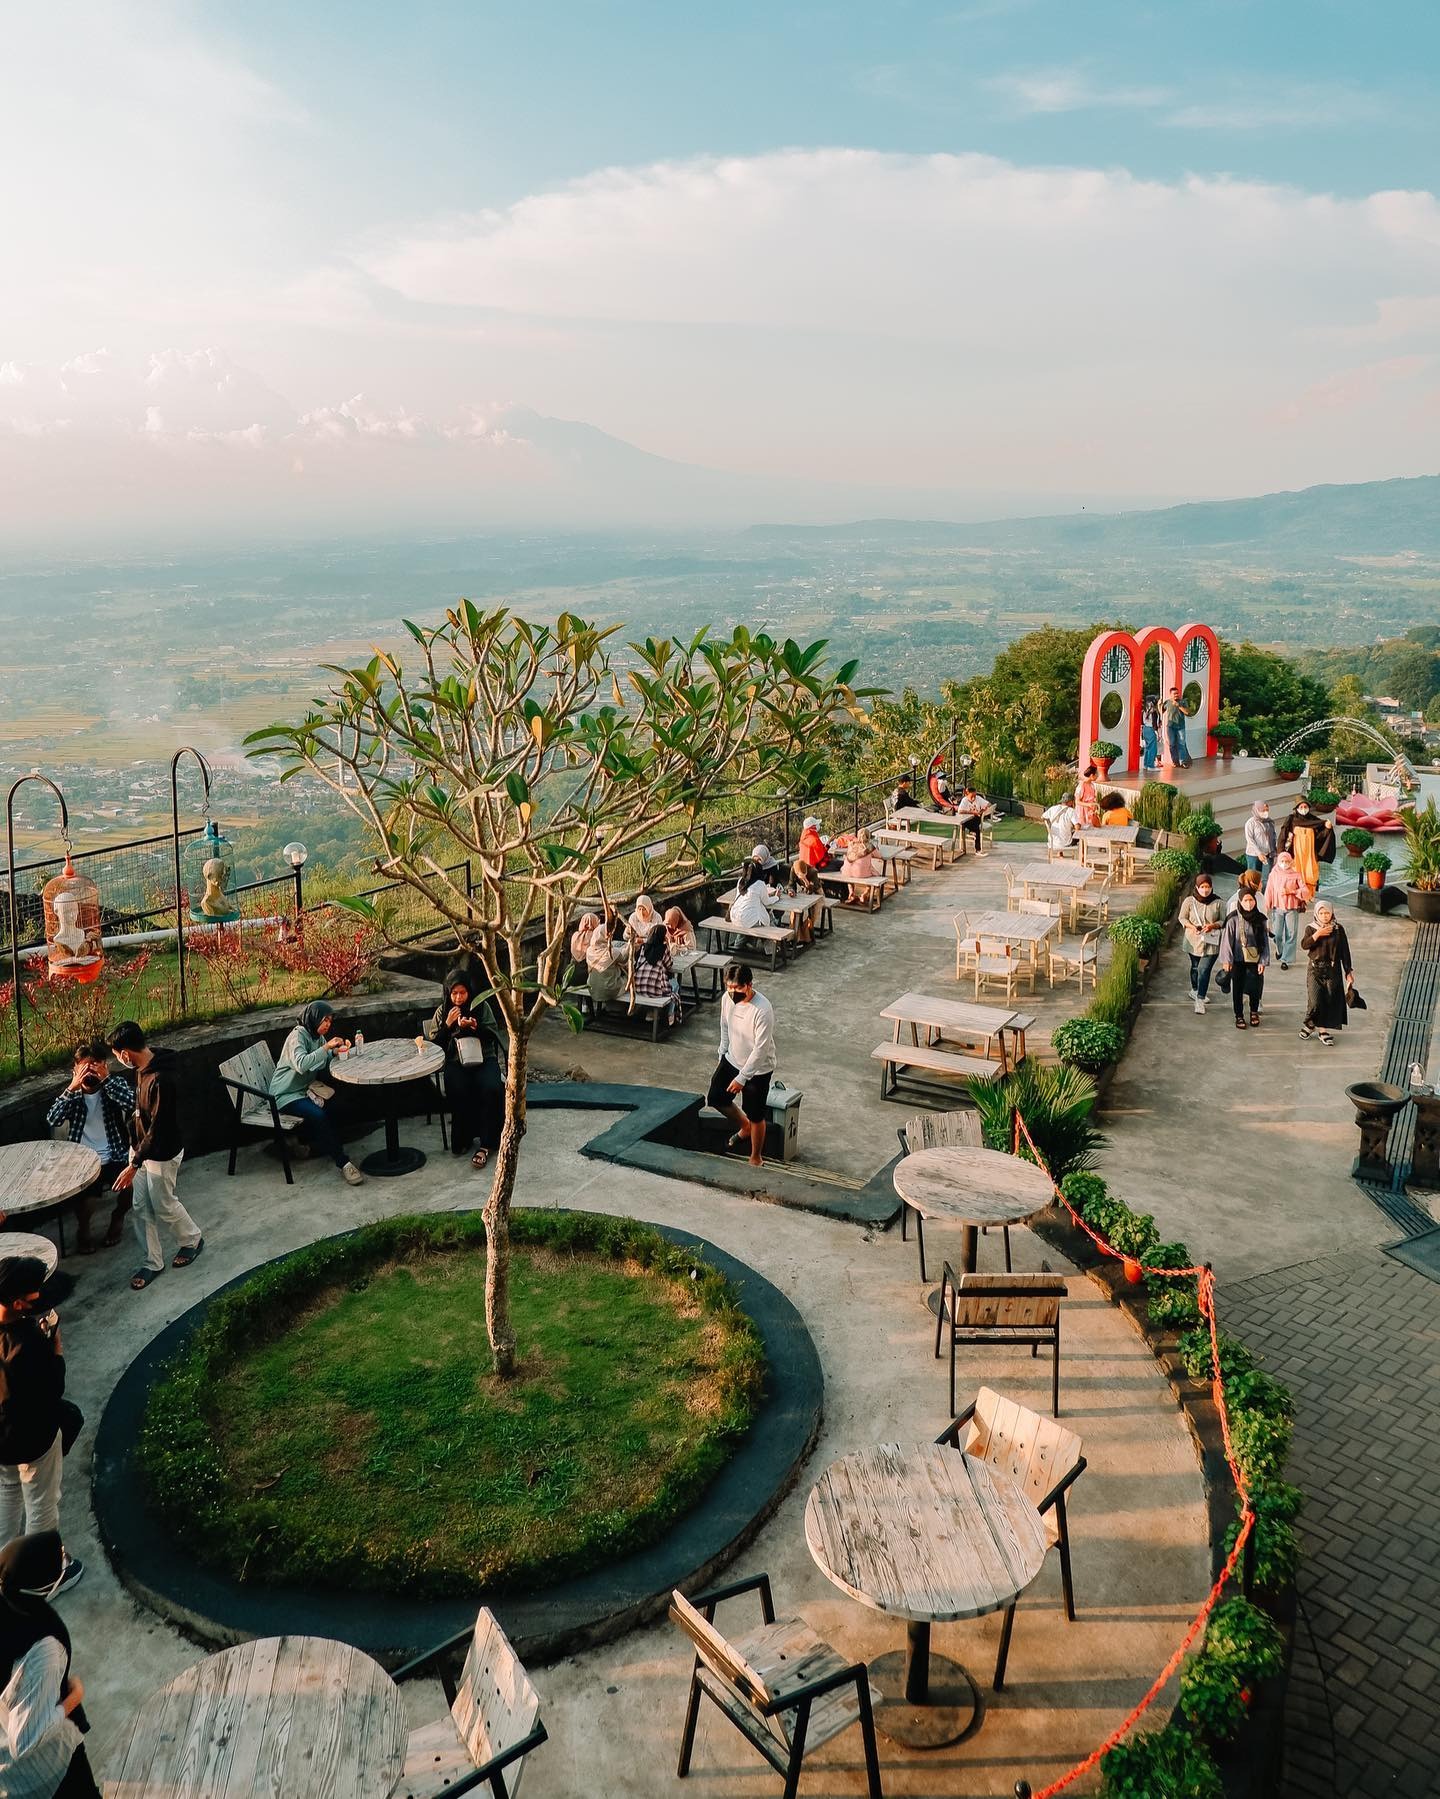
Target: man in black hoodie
{"x":156,"y":1152}
{"x":32,"y":1385}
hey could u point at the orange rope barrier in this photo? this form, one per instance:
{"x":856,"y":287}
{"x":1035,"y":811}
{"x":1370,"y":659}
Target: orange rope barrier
{"x":1205,"y":1283}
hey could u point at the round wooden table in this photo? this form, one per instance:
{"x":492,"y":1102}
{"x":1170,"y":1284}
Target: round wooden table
{"x":387,"y":1065}
{"x":283,"y":1715}
{"x":929,"y":1535}
{"x":23,"y":1243}
{"x":36,"y":1177}
{"x":975,"y":1186}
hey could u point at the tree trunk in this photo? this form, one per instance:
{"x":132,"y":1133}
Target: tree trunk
{"x":498,"y":1327}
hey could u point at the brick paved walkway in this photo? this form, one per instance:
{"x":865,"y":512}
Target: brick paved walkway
{"x":1357,"y":1336}
{"x":1242,"y":1146}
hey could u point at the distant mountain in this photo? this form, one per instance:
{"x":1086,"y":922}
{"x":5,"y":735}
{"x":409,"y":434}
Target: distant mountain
{"x":1367,"y":518}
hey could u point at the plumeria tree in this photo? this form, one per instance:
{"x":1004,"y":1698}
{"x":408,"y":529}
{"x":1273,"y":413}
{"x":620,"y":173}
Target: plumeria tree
{"x":539,"y":754}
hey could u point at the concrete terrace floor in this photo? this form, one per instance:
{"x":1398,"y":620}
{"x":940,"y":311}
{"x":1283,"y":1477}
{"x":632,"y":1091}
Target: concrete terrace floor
{"x":1241,"y":1144}
{"x":614,"y":1714}
{"x":828,"y":1002}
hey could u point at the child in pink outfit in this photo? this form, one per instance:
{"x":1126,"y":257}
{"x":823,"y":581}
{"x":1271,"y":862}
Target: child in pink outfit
{"x":1287,"y":895}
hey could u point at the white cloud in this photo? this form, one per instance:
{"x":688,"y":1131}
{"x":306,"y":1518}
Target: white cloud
{"x":1071,"y":90}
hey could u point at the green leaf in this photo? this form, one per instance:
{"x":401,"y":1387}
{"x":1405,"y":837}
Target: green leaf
{"x":517,"y":787}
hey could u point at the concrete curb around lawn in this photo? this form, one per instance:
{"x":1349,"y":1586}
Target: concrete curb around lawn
{"x":556,"y":1621}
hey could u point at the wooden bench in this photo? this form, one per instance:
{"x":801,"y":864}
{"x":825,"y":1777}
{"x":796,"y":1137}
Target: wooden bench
{"x":627,"y":1004}
{"x":870,"y":887}
{"x":918,"y":844}
{"x":248,"y":1076}
{"x":493,"y":1722}
{"x":771,"y":937}
{"x":895,"y":1058}
{"x":783,"y":1687}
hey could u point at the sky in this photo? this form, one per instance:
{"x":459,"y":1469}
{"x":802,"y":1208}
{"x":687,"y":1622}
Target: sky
{"x":303,"y":265}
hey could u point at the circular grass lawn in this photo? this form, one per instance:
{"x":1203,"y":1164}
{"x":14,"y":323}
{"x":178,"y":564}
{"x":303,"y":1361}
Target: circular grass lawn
{"x":335,"y":1420}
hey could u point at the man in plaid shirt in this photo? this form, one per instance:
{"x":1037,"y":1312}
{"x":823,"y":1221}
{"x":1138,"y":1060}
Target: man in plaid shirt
{"x":95,"y":1110}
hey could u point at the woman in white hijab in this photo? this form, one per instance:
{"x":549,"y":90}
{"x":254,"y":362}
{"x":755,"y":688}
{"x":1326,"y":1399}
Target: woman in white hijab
{"x":644,"y":918}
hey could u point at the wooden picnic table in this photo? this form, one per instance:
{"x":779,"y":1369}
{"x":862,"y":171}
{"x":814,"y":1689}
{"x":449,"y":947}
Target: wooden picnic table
{"x":932,"y":1536}
{"x":389,"y":1064}
{"x":25,"y":1243}
{"x":1010,"y":927}
{"x":1110,"y":833}
{"x":954,"y":1018}
{"x":1064,"y":878}
{"x":280,"y":1715}
{"x":973,"y":1187}
{"x":1116,"y":842}
{"x":913,"y":843}
{"x":871,"y":887}
{"x":915,"y":816}
{"x":34,"y":1177}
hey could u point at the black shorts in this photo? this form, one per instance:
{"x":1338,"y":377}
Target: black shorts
{"x":752,"y":1096}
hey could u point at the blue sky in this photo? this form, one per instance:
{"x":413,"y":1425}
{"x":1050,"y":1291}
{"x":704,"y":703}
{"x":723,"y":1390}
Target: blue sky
{"x":303,"y":256}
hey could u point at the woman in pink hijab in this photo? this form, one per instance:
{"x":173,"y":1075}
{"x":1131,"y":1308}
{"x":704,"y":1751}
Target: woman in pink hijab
{"x":1287,"y":895}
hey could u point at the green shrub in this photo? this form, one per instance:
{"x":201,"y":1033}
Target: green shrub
{"x":1132,"y":1233}
{"x":1225,"y":730}
{"x":1242,"y":1647}
{"x":1356,"y":839}
{"x":1143,"y":933}
{"x":1260,"y":1442}
{"x":1171,"y":1763}
{"x":1277,"y":1543}
{"x":1323,"y":799}
{"x":1177,"y":862}
{"x":1115,"y":991}
{"x":1155,"y":806}
{"x":994,"y":777}
{"x":1082,"y":1188}
{"x":1163,"y":898}
{"x":1103,"y":750}
{"x":1056,"y":1104}
{"x":1199,"y":826}
{"x":1289,"y":764}
{"x":1088,"y":1043}
{"x":1174,"y":1303}
{"x":1041,"y":785}
{"x":1375,"y":861}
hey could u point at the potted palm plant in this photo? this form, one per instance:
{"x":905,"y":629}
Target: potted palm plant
{"x":1422,"y":862}
{"x":1375,"y":863}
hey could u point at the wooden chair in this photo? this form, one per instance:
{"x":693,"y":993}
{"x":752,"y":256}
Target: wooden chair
{"x":941,"y":1130}
{"x":247,"y":1076}
{"x":782,"y":1687}
{"x":1086,"y":956}
{"x":1092,"y":904}
{"x":996,"y":964}
{"x":964,"y":944}
{"x":1042,"y":1456}
{"x":1014,"y":890}
{"x":492,"y":1725}
{"x":1044,"y":908}
{"x":1018,"y":1309}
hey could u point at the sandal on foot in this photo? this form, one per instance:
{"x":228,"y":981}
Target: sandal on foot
{"x":480,"y":1158}
{"x":1327,"y":1039}
{"x":739,"y":1143}
{"x":1239,"y":1024}
{"x":1307,"y":1030}
{"x":185,"y":1255}
{"x":142,"y":1278}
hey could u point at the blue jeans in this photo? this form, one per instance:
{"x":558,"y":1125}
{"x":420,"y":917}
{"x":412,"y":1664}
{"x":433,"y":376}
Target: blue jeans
{"x":317,"y":1129}
{"x":1150,"y":738}
{"x":1179,"y":753}
{"x":1200,"y":967}
{"x":1263,"y":865}
{"x":1284,"y":929}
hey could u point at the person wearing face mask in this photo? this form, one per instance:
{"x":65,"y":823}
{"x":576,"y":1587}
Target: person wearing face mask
{"x":1330,"y":975}
{"x":1260,"y":840}
{"x":1310,"y":841}
{"x":1201,"y":918}
{"x":1286,"y":897}
{"x":1244,"y":953}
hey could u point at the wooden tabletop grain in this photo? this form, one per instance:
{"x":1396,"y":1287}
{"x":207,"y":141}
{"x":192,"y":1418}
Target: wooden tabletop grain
{"x":384,"y":1064}
{"x":36,"y":1175}
{"x":280,"y":1717}
{"x":955,"y":1015}
{"x":1058,"y":874}
{"x":976,"y":1186}
{"x":25,"y":1243}
{"x":926,"y":1534}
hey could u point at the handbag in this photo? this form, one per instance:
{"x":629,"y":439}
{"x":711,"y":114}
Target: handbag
{"x":469,"y":1051}
{"x":1355,"y":1000}
{"x":320,"y":1092}
{"x":1222,"y":979}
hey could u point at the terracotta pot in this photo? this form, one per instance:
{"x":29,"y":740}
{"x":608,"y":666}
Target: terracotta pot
{"x":1104,"y":767}
{"x":1375,"y":877}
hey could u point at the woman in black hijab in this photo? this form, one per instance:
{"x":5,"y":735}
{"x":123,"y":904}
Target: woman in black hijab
{"x":464,"y":1027}
{"x":41,"y":1717}
{"x":1244,"y":953}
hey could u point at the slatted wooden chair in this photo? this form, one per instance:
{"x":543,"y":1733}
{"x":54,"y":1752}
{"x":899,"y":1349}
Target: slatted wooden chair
{"x":941,"y":1130}
{"x":1075,"y":964}
{"x":1014,"y":890}
{"x":1039,"y":1454}
{"x":247,"y":1077}
{"x":995,"y":964}
{"x":1018,"y":1310}
{"x":964,"y":945}
{"x":492,"y":1725}
{"x":1092,"y":904}
{"x":783,"y":1688}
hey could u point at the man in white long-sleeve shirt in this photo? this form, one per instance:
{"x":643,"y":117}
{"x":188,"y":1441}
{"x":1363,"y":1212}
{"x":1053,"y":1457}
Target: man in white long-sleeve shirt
{"x":740,"y":1084}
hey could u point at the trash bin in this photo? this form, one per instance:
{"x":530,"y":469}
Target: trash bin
{"x":784,"y":1108}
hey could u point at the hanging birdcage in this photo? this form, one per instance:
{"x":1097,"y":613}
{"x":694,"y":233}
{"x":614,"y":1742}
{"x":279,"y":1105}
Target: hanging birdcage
{"x":209,"y":868}
{"x":71,"y":903}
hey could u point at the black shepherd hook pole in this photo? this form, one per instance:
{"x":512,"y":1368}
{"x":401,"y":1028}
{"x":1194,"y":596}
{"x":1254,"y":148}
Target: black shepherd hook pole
{"x":14,"y":904}
{"x":186,"y":749}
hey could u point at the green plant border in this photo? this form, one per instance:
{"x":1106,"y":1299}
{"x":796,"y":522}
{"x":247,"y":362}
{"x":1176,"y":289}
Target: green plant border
{"x":186,"y":1484}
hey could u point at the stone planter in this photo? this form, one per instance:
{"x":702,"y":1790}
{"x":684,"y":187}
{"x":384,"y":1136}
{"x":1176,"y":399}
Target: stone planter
{"x":1424,"y":904}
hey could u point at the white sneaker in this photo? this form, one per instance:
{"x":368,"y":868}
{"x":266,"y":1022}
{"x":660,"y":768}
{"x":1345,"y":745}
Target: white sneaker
{"x":353,"y":1175}
{"x":1199,"y":1005}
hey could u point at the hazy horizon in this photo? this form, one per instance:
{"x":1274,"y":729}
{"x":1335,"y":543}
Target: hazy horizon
{"x":276,"y":271}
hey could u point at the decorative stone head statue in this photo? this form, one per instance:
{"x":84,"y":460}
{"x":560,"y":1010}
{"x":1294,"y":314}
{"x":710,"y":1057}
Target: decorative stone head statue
{"x":216,"y":903}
